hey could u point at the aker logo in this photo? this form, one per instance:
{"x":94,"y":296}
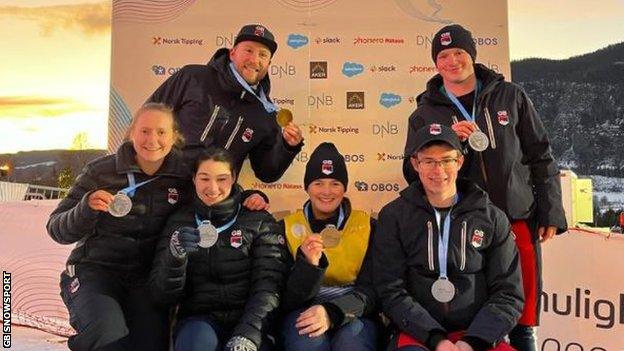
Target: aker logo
{"x":159,"y":70}
{"x":296,"y":41}
{"x":383,"y":157}
{"x":382,"y":68}
{"x":177,"y":41}
{"x":318,"y":69}
{"x":388,"y":100}
{"x":351,"y":69}
{"x":314,"y":129}
{"x":326,"y":40}
{"x":355,"y":100}
{"x":376,"y":187}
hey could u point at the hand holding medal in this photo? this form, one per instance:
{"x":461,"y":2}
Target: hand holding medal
{"x":330,"y":236}
{"x":290,"y":131}
{"x":312,"y":248}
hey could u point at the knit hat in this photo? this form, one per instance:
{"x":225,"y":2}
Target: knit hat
{"x":257,"y":33}
{"x":453,"y":36}
{"x":431,"y":133}
{"x":326,"y":162}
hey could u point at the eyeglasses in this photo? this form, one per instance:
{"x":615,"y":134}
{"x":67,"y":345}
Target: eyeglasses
{"x":429,"y":164}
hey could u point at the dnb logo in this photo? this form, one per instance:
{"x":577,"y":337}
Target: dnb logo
{"x":318,"y":69}
{"x":296,"y":41}
{"x":355,"y":100}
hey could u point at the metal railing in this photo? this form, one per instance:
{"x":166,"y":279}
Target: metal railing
{"x":40,"y":192}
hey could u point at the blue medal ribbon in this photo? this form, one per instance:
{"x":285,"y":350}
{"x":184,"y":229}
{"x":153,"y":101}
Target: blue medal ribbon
{"x":130,"y":190}
{"x":268,"y":105}
{"x":341,"y":215}
{"x":461,"y":107}
{"x":221,"y":228}
{"x":444,"y":238}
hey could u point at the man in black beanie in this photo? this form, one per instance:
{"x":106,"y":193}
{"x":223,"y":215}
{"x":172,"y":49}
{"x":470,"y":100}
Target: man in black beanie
{"x":506,"y":150}
{"x":226,"y":103}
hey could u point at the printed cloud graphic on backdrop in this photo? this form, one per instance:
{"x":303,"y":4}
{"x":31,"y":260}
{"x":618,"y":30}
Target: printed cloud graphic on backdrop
{"x":296,"y":41}
{"x":351,"y":69}
{"x":388,"y":100}
{"x":426,"y":10}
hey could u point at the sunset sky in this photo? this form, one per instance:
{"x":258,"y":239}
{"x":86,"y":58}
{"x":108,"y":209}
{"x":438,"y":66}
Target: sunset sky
{"x":56,"y":60}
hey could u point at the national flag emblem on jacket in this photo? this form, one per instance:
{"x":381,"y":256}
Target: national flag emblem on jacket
{"x":247,"y":135}
{"x":236,"y":238}
{"x":477,"y":238}
{"x":172,"y":196}
{"x":435,"y":129}
{"x":503,"y":119}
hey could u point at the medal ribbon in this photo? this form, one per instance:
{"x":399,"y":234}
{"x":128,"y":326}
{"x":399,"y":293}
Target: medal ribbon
{"x":341,"y":215}
{"x":268,"y":105}
{"x":132,"y":186}
{"x":444,"y":238}
{"x":221,"y":228}
{"x":461,"y":107}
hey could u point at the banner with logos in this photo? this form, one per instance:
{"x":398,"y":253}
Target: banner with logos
{"x":349,"y":70}
{"x":583,"y":293}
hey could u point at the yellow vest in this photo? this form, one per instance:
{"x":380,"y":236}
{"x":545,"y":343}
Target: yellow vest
{"x":345,"y":260}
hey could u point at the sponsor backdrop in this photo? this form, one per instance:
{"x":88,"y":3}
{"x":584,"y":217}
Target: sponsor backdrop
{"x":349,"y":70}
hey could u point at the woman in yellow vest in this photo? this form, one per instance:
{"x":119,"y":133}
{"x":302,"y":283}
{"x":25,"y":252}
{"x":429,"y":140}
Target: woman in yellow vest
{"x":329,"y":301}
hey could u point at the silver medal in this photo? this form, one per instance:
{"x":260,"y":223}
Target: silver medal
{"x":443,"y":290}
{"x":120,"y":206}
{"x":478,"y":141}
{"x":208,"y":234}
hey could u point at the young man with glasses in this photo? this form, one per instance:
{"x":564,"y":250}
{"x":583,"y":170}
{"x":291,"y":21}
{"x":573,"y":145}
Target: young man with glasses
{"x":446,"y":268}
{"x":507,"y":154}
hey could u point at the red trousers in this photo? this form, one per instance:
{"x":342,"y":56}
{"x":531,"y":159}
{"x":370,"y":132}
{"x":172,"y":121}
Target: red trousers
{"x":406,"y":340}
{"x":530,"y":260}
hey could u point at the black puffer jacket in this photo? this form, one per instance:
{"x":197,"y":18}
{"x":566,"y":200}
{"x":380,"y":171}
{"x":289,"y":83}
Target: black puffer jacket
{"x":212,"y":108}
{"x":483,"y":264}
{"x":125,"y":243}
{"x":238,"y":287}
{"x":522,"y":175}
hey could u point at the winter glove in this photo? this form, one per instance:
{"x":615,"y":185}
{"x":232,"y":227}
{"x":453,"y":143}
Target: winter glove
{"x":184,"y":241}
{"x":240,"y":343}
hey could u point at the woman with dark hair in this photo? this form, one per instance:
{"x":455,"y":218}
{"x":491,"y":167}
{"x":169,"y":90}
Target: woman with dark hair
{"x":114,"y":213}
{"x":222,"y":263}
{"x":329,"y":300}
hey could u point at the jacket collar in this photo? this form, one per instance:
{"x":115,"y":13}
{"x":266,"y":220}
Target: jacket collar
{"x":471,"y":196}
{"x":222,"y":212}
{"x":173,"y":166}
{"x":220,"y":62}
{"x":489,"y":79}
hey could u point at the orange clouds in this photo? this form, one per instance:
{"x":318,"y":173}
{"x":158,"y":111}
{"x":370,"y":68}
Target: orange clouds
{"x":90,"y":18}
{"x":36,"y":106}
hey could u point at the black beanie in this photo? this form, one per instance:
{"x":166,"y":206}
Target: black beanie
{"x":453,"y":36}
{"x":326,"y":162}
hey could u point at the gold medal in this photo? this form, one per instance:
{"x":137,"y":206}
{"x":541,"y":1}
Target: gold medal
{"x":330,"y":236}
{"x":284,"y":116}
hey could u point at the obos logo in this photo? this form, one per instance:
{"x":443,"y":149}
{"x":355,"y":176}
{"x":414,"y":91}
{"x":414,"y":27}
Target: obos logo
{"x":159,"y":70}
{"x":283,"y":70}
{"x":351,"y":69}
{"x":296,"y":41}
{"x":388,"y":100}
{"x":318,"y":69}
{"x":355,"y":100}
{"x":376,"y":187}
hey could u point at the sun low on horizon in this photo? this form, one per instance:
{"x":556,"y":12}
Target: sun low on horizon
{"x":56,"y":61}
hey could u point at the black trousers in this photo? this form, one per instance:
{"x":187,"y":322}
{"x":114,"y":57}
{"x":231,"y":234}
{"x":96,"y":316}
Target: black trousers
{"x":112,"y":311}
